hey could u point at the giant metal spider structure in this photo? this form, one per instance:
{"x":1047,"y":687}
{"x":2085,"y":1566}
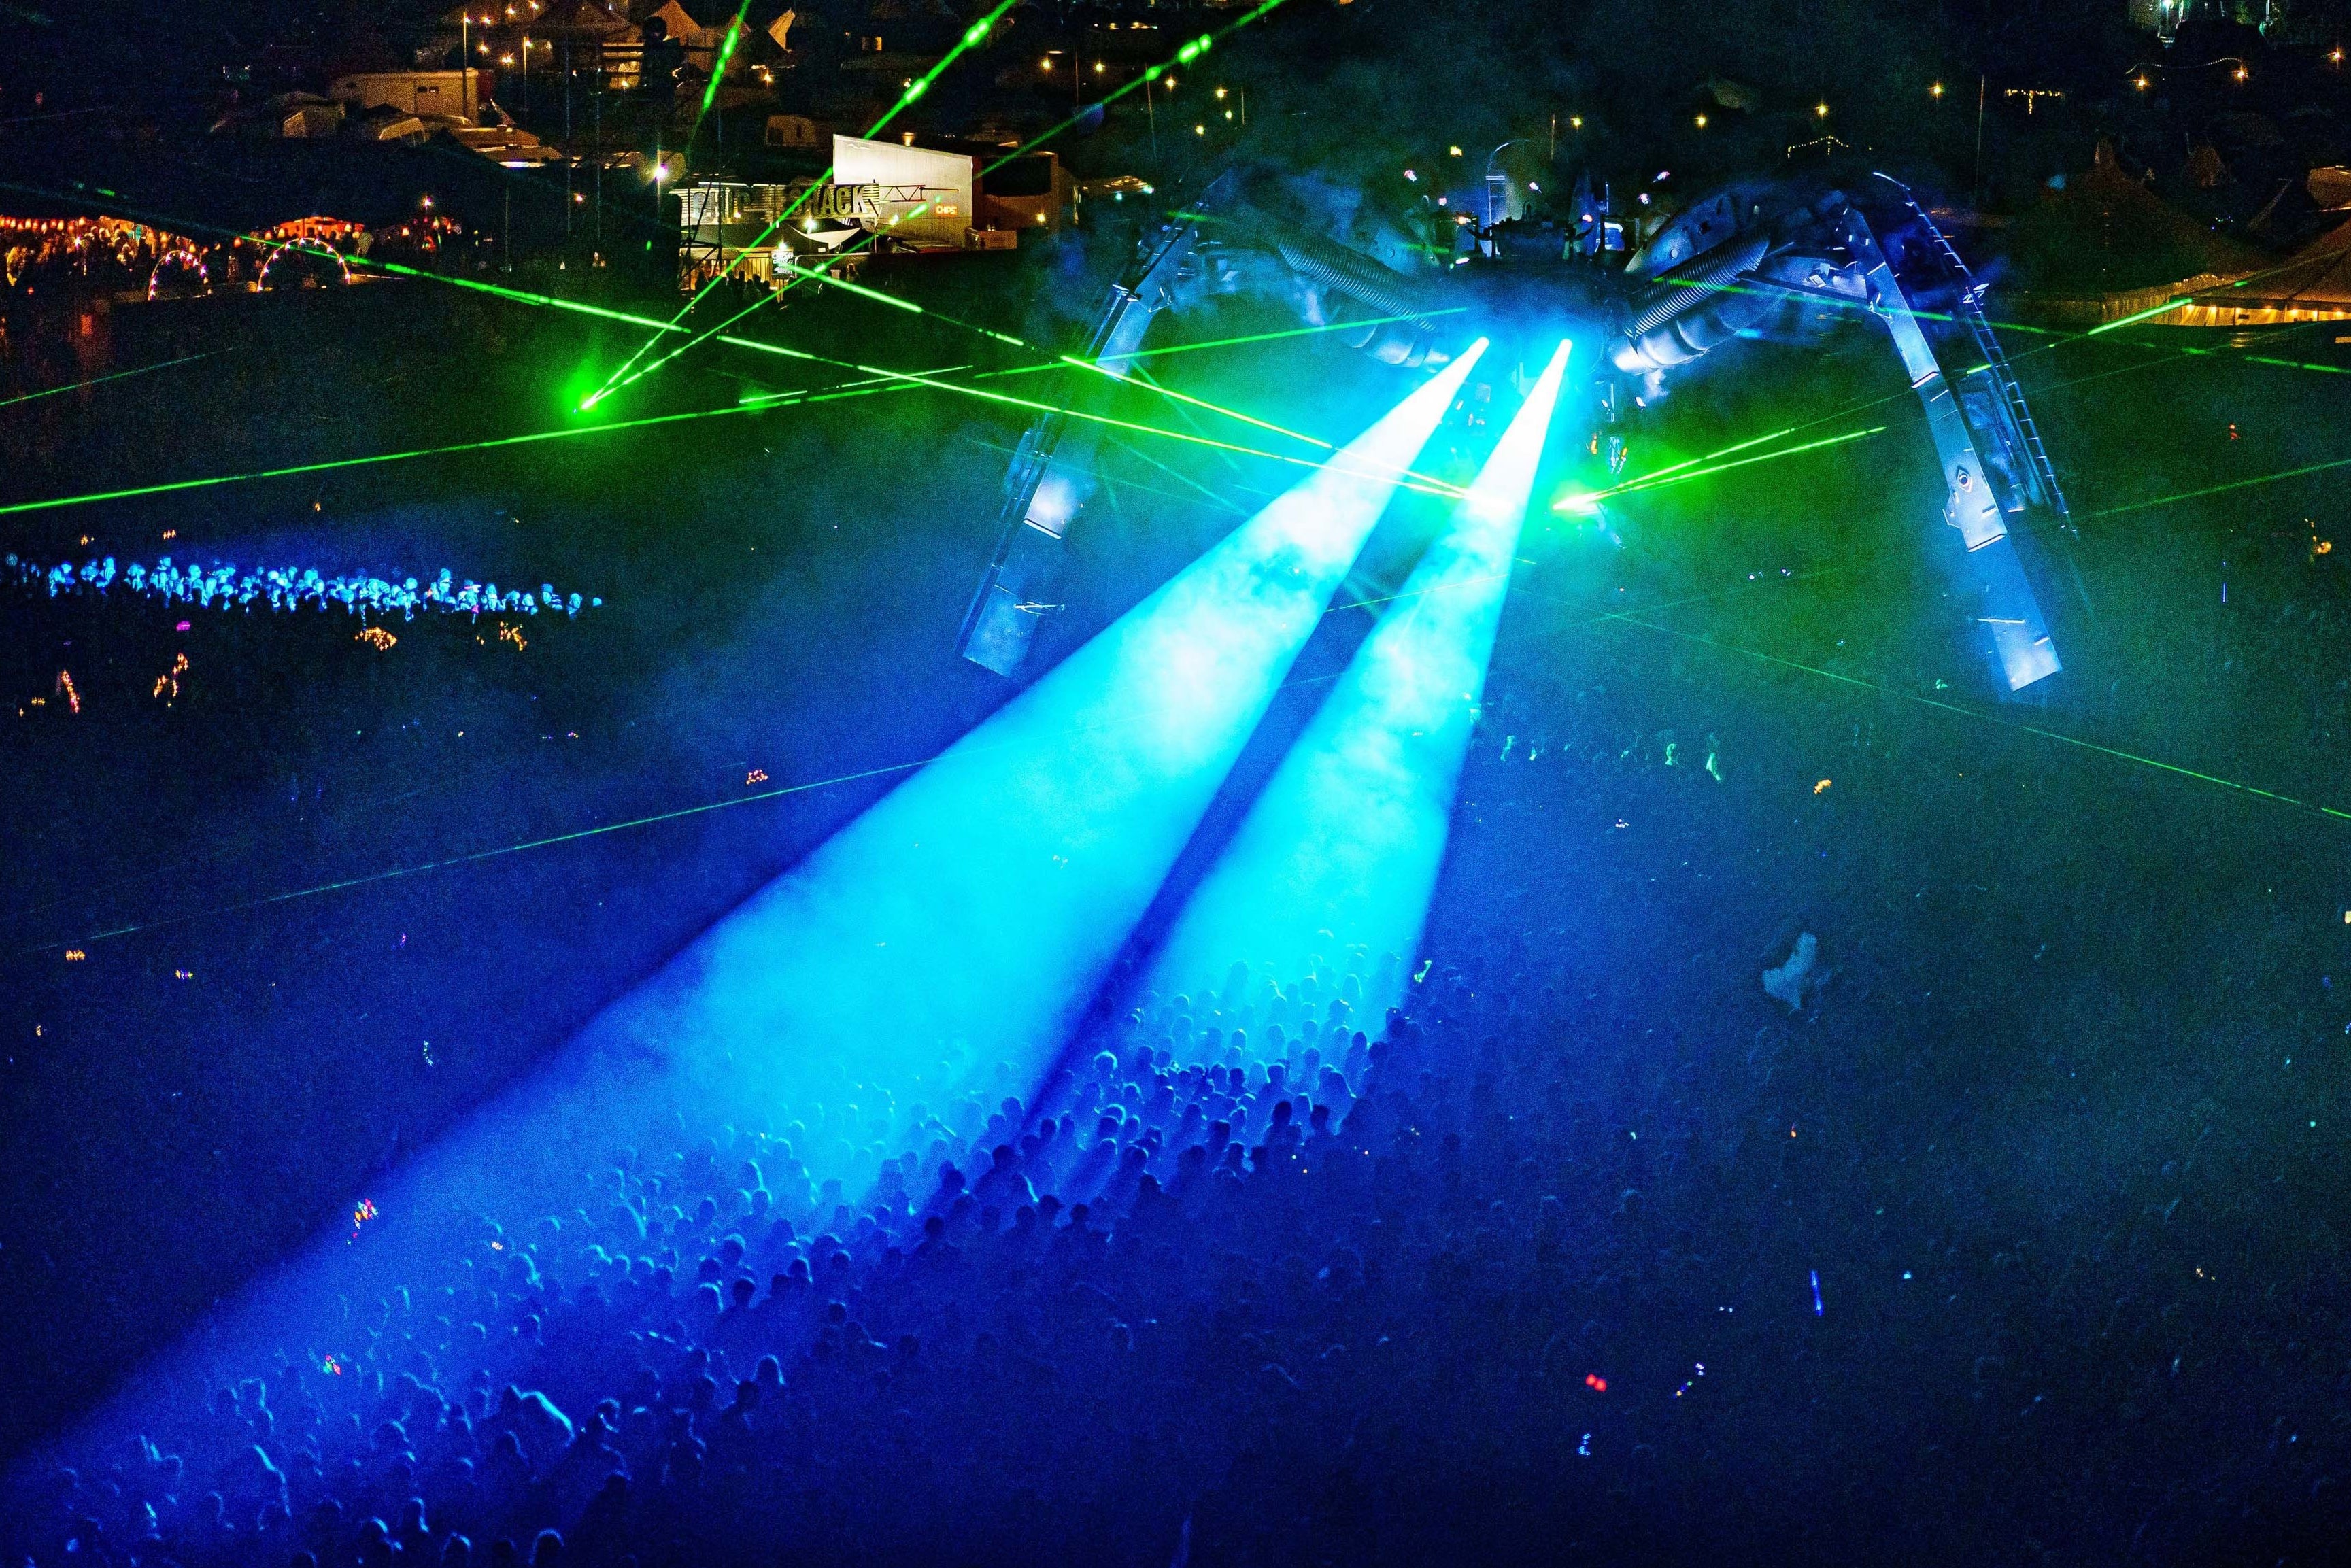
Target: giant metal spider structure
{"x":1748,"y":257}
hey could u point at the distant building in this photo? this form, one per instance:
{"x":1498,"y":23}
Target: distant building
{"x":912,"y":197}
{"x":699,"y":27}
{"x":451,"y":94}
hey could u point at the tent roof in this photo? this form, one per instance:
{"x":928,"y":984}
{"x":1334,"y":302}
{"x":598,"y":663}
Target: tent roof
{"x":2318,"y":275}
{"x":2108,"y":233}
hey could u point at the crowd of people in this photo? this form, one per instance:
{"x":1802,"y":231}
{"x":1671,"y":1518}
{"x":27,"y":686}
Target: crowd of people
{"x":1253,"y":1275}
{"x":224,"y":586}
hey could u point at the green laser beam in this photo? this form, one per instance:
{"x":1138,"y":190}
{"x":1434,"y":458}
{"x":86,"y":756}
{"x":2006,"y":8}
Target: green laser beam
{"x":2061,"y":334}
{"x":2059,"y":339}
{"x":1640,"y":480}
{"x":1200,"y":402}
{"x":1402,"y":478}
{"x":1182,"y":56}
{"x":1766,"y":457}
{"x":1072,"y":361}
{"x":581,"y":308}
{"x":2134,"y":318}
{"x":1413,"y":480}
{"x":1238,"y":341}
{"x":330,"y":464}
{"x":814,"y":275}
{"x":718,"y":67}
{"x":650,"y":366}
{"x":2057,"y":735}
{"x":111,"y":376}
{"x":973,"y":36}
{"x":592,"y":399}
{"x":1837,"y":302}
{"x":479,"y":855}
{"x":2197,"y":297}
{"x":962,"y":749}
{"x":1574,"y":502}
{"x":2223,"y":490}
{"x":607,"y":313}
{"x":678,"y":814}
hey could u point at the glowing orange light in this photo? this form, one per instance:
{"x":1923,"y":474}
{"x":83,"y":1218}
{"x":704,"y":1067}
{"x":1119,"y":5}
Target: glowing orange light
{"x":1822,"y":788}
{"x":1594,"y":1382}
{"x":167,"y":685}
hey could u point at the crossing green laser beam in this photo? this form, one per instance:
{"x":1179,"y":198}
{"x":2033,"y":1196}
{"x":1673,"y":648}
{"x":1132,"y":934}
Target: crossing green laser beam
{"x":1182,"y":56}
{"x":1581,"y":504}
{"x":1072,"y":362}
{"x":650,"y":366}
{"x":895,"y":301}
{"x":2117,"y":753}
{"x":2062,"y":335}
{"x":1640,"y":480}
{"x":890,"y":384}
{"x":592,"y":399}
{"x":1402,"y":478}
{"x":602,"y":312}
{"x":899,"y":302}
{"x":880,"y":372}
{"x":1763,"y":457}
{"x":1426,"y":483}
{"x":1233,"y":342}
{"x":1837,"y":302}
{"x":1076,"y":362}
{"x":973,"y":36}
{"x":102,"y":381}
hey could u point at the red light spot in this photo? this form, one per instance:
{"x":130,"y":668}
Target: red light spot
{"x":1594,"y":1382}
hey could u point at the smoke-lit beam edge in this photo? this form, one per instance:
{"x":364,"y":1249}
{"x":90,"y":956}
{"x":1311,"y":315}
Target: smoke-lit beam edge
{"x":1343,"y":846}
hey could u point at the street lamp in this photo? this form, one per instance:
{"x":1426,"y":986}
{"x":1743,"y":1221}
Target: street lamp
{"x":1936,"y":90}
{"x":1821,"y":110}
{"x":1701,"y":122}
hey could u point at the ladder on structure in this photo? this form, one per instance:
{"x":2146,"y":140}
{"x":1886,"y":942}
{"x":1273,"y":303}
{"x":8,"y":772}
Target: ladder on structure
{"x":1969,"y":311}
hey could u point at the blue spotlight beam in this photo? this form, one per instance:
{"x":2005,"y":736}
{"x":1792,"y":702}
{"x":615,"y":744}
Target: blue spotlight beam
{"x":962,"y":922}
{"x":968,"y":914}
{"x":1343,"y":845}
